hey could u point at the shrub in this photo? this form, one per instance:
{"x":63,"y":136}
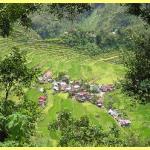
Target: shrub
{"x":78,"y":37}
{"x":80,"y":132}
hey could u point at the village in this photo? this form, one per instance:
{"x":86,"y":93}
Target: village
{"x":80,"y":91}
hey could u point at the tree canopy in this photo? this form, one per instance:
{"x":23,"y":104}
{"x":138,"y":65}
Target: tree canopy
{"x":9,"y":15}
{"x":18,"y":119}
{"x":80,"y":132}
{"x":139,"y":9}
{"x":137,"y":79}
{"x":14,"y":73}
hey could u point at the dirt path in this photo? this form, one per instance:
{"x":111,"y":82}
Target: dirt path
{"x":110,"y":58}
{"x":104,"y":59}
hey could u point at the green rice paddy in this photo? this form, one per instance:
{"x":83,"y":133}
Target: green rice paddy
{"x":101,"y":69}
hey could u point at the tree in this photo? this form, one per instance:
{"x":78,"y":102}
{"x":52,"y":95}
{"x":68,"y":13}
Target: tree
{"x":14,"y":73}
{"x":17,"y":120}
{"x":142,"y":10}
{"x":80,"y":132}
{"x":11,"y":13}
{"x":69,"y":11}
{"x":19,"y":124}
{"x":137,"y":78}
{"x":3,"y":134}
{"x":18,"y":127}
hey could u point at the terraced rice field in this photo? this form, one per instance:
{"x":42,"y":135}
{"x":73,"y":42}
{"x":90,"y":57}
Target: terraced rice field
{"x":59,"y":58}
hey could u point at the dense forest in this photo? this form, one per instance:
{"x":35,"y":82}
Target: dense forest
{"x":74,"y":75}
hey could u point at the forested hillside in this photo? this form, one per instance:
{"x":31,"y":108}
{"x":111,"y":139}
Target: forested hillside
{"x":110,"y":24}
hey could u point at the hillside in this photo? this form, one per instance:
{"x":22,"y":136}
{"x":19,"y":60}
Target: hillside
{"x":74,"y":75}
{"x":100,"y":69}
{"x":109,"y":22}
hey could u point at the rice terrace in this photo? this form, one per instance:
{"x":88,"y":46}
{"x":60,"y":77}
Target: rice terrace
{"x":74,"y":75}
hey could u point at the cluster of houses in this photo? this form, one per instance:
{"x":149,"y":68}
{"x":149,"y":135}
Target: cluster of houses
{"x":80,"y":91}
{"x":45,"y":78}
{"x":116,"y":115}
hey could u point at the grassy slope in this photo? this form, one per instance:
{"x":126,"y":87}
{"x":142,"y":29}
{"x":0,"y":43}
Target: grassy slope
{"x":60,"y":58}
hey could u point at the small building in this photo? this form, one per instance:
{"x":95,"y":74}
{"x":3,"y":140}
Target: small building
{"x":76,"y":86}
{"x":100,"y":102}
{"x":55,"y":88}
{"x":107,"y":88}
{"x":63,"y":85}
{"x":82,"y":96}
{"x":46,"y":77}
{"x":42,"y":101}
{"x":113,"y":113}
{"x":68,"y":88}
{"x":124,"y":122}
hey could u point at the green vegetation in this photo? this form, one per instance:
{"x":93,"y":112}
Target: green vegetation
{"x":90,"y":51}
{"x":9,"y":16}
{"x":141,"y":10}
{"x":81,"y":133}
{"x":14,"y":74}
{"x":104,"y":28}
{"x":18,"y":120}
{"x":137,"y":79}
{"x":49,"y":54}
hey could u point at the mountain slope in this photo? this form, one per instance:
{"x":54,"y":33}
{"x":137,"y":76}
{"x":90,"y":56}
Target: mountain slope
{"x":100,"y":69}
